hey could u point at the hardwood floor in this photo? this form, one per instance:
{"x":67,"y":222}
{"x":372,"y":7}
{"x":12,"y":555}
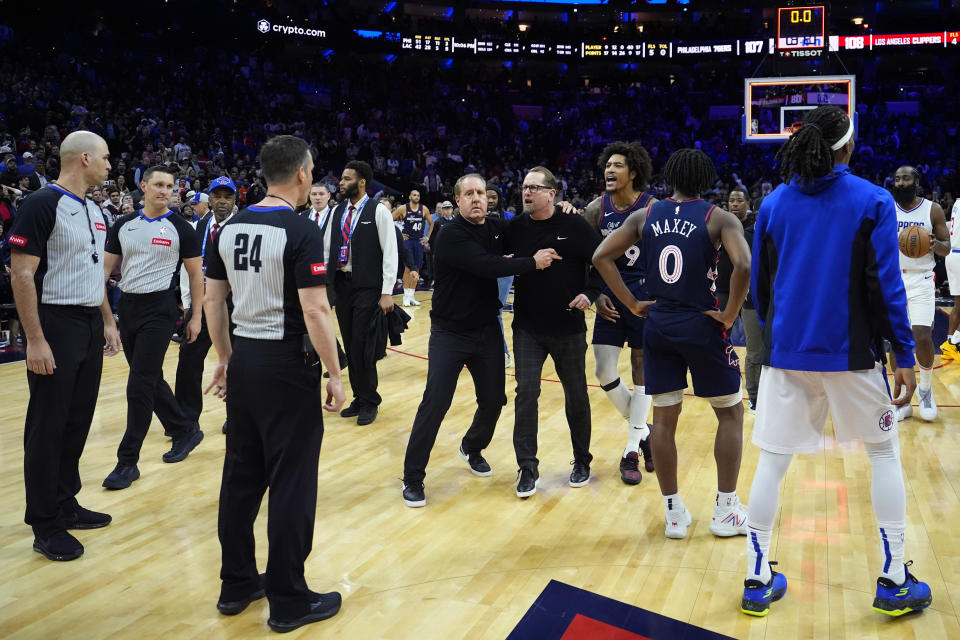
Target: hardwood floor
{"x":474,"y":560}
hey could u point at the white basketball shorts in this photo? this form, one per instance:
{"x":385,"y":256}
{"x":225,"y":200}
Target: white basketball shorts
{"x":921,"y":297}
{"x":952,"y":262}
{"x":792,"y":408}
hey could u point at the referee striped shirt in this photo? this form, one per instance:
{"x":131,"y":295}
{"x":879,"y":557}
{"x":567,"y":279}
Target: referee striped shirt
{"x":68,"y":235}
{"x":267,"y":253}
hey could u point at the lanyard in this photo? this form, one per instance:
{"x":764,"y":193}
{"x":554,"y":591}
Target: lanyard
{"x":206,"y":236}
{"x":358,"y":208}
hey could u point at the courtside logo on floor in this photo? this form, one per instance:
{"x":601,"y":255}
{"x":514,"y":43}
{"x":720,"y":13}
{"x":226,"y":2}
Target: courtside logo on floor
{"x":562,"y":612}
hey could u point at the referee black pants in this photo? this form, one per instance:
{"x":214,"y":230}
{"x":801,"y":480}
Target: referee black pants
{"x":59,"y":413}
{"x":355,"y":309}
{"x":481,"y":352}
{"x":147,"y":322}
{"x":275,"y":409}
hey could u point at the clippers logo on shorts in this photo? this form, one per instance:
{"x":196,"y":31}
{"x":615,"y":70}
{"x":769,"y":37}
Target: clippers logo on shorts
{"x":100,"y":226}
{"x":887,"y":420}
{"x":318,"y":268}
{"x":165,"y":242}
{"x":20,"y":241}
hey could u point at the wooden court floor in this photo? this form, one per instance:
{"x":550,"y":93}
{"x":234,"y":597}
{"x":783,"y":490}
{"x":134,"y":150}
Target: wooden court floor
{"x":474,"y":560}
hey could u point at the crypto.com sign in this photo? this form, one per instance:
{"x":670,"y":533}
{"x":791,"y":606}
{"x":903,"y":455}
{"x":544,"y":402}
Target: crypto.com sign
{"x":264,"y":27}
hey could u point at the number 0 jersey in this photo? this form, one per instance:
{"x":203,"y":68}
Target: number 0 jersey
{"x":681,"y":261}
{"x":267,"y":253}
{"x":630,"y":264}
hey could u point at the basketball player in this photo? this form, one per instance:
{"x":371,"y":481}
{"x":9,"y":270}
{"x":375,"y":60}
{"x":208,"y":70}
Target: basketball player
{"x":827,"y":299}
{"x":912,"y":210}
{"x":952,"y":263}
{"x":273,"y":261}
{"x":626,"y":171}
{"x":685,"y":329}
{"x":414,"y":216}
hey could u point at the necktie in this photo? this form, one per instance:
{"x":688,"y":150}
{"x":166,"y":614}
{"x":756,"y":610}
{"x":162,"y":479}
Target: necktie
{"x":213,"y":231}
{"x":345,"y":236}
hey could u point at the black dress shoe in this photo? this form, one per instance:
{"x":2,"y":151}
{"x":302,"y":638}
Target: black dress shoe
{"x":326,"y":605}
{"x":122,"y":476}
{"x":351,"y":411}
{"x":60,"y":547}
{"x":233,"y":607}
{"x":183,"y":445}
{"x":367,"y":415}
{"x":86,"y":519}
{"x":223,"y":429}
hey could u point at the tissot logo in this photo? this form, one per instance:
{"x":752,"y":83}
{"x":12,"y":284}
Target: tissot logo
{"x":263,"y":26}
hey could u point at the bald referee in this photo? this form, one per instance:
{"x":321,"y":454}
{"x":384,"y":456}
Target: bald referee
{"x":57,"y":243}
{"x":272,"y":260}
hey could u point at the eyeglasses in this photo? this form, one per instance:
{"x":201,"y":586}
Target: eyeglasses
{"x":534,"y":188}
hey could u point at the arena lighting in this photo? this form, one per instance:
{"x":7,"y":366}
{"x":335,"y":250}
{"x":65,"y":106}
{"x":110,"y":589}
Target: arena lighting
{"x":523,"y":26}
{"x":857,"y":21}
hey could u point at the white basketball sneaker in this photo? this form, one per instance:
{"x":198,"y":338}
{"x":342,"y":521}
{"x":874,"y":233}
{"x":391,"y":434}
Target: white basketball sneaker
{"x":904,"y":412}
{"x":729,"y":520}
{"x":928,"y":408}
{"x":677,"y":523}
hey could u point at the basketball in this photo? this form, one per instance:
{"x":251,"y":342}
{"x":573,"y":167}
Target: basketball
{"x":914,"y":242}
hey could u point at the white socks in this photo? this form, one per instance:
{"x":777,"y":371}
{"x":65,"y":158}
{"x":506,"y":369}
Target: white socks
{"x":408,"y":295}
{"x":925,"y":379}
{"x":634,"y":407}
{"x":955,"y":338}
{"x":673,"y":503}
{"x":727,"y":500}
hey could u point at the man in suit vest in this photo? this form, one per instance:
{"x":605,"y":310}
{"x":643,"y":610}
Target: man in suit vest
{"x":361,"y":248}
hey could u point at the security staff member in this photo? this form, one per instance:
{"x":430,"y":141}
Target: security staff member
{"x":152,"y":242}
{"x":464,"y":332}
{"x":189,"y":384}
{"x":361,"y":243}
{"x":57,"y":243}
{"x":273,"y":261}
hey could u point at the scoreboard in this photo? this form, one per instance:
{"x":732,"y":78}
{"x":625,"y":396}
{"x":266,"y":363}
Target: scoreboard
{"x":801,"y":31}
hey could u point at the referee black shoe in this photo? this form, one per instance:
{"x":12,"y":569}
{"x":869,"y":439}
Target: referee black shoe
{"x":233,"y":607}
{"x":324,"y":605}
{"x":367,"y":415}
{"x":352,"y":410}
{"x":86,"y":519}
{"x":60,"y":547}
{"x":183,"y":445}
{"x":122,"y":476}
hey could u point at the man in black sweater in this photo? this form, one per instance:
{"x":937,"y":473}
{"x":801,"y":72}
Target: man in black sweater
{"x":548,"y":320}
{"x":465,"y":332}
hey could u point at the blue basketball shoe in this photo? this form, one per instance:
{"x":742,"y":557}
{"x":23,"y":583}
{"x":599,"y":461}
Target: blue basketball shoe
{"x":758,"y":596}
{"x":896,"y":600}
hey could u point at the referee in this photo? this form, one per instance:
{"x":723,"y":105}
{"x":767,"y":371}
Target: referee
{"x":465,"y":332}
{"x":152,"y":242}
{"x":272,"y":259}
{"x":57,"y":241}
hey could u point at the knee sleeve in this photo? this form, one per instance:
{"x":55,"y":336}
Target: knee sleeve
{"x":607,"y":357}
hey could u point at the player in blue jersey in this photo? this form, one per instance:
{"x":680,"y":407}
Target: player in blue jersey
{"x":417,"y":225}
{"x":685,"y":330}
{"x":626,"y":171}
{"x":827,"y":286}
